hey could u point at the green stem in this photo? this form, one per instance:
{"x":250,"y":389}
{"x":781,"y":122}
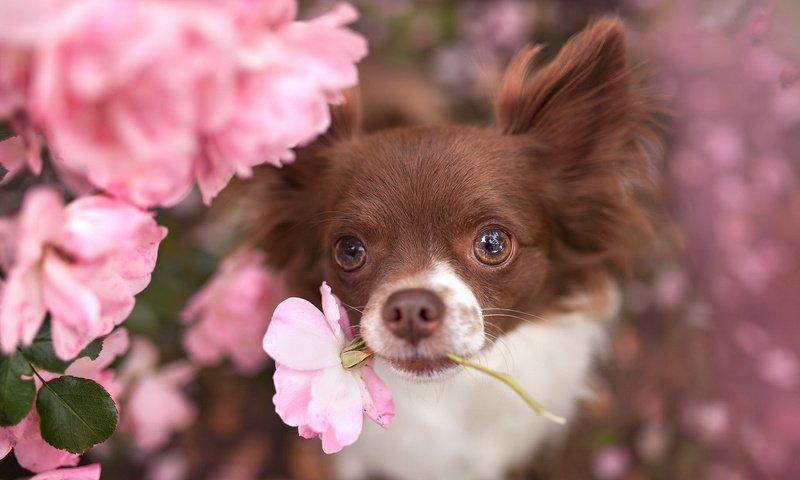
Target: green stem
{"x":511,"y":383}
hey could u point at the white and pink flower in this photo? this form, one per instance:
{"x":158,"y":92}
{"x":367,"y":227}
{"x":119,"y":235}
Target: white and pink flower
{"x":82,"y":263}
{"x":314,"y":392}
{"x":229,"y":315}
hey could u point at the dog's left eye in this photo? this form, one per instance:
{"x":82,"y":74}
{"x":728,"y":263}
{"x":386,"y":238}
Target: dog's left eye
{"x":349,"y":253}
{"x":492,"y":247}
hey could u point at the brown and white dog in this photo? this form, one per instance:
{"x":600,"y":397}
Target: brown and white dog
{"x":498,"y":244}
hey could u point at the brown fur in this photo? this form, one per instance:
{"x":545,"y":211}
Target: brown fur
{"x":565,"y":170}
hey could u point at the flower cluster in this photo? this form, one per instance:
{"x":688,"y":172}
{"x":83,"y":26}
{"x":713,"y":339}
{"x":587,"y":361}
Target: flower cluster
{"x":144,"y":98}
{"x":138,"y":100}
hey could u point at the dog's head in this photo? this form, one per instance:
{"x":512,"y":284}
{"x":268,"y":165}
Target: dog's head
{"x":430,"y":232}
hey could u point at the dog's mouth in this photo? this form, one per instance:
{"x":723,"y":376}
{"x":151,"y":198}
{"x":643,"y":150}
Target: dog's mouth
{"x":421,"y":367}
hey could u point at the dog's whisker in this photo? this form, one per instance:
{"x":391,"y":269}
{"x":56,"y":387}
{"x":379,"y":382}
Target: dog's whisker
{"x":359,"y":309}
{"x":509,"y":315}
{"x":539,"y":317}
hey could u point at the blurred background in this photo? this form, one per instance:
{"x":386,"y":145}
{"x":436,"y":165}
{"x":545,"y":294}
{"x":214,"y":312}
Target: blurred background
{"x":703,"y":377}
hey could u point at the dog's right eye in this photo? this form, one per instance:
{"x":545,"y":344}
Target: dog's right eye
{"x":349,"y":253}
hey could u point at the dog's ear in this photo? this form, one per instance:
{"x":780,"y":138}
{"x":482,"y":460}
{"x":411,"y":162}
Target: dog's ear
{"x":592,"y":133}
{"x":578,"y":101}
{"x":287,"y":204}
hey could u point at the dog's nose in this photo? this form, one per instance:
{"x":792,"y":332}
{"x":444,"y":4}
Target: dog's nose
{"x":413,"y":314}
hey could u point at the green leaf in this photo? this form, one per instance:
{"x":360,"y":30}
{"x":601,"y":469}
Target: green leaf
{"x":41,"y":354}
{"x":93,"y":349}
{"x":16,"y":394}
{"x":75,"y":413}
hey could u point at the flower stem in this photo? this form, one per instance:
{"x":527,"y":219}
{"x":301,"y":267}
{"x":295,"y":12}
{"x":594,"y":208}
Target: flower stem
{"x":505,"y":378}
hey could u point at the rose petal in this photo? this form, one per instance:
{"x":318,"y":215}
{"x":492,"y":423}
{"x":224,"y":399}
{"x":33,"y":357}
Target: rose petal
{"x":335,"y":408}
{"x":377,"y":400}
{"x":299,"y":336}
{"x":7,"y":441}
{"x":99,"y":225}
{"x":74,"y":308}
{"x":335,"y":313}
{"x":292,"y":395}
{"x":88,"y":472}
{"x":22,"y":309}
{"x":33,"y":453}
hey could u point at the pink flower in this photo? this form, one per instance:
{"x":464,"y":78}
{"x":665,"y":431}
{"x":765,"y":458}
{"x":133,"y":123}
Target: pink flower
{"x":121,"y":87}
{"x":98,"y":369}
{"x":145,"y":97}
{"x":611,"y":463}
{"x":88,"y":472}
{"x":83,"y":263}
{"x":32,"y":452}
{"x":313,"y":390}
{"x":229,"y":315}
{"x":154,"y":406}
{"x":23,"y":24}
{"x":288,"y":72}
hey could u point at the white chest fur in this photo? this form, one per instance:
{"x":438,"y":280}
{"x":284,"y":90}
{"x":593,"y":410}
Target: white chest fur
{"x":471,"y":426}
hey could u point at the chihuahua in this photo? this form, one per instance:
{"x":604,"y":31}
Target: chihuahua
{"x":498,"y":244}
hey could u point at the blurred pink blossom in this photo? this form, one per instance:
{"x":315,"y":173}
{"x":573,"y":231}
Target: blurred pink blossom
{"x":779,"y":367}
{"x":30,"y":449}
{"x":229,"y":315}
{"x":83,"y":263}
{"x":146,"y":97}
{"x":287,"y":73}
{"x":12,"y":156}
{"x":710,"y":421}
{"x":87,"y":472}
{"x":313,"y":390}
{"x":611,"y":463}
{"x":154,"y":407}
{"x":734,"y":189}
{"x":503,"y":24}
{"x":22,"y":25}
{"x":120,"y":88}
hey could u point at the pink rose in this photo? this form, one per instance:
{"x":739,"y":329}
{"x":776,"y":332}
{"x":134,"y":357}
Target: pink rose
{"x":229,"y":315}
{"x":30,"y":449}
{"x":287,"y":74}
{"x":313,"y":390}
{"x":83,"y":263}
{"x":23,"y":25}
{"x":154,"y":406}
{"x":303,"y":64}
{"x":145,"y":97}
{"x":122,"y":86}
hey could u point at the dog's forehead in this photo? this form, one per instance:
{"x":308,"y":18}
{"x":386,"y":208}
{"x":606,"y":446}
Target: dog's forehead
{"x":436,"y":177}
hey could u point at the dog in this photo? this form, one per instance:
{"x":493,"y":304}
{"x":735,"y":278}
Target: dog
{"x":499,"y":244}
